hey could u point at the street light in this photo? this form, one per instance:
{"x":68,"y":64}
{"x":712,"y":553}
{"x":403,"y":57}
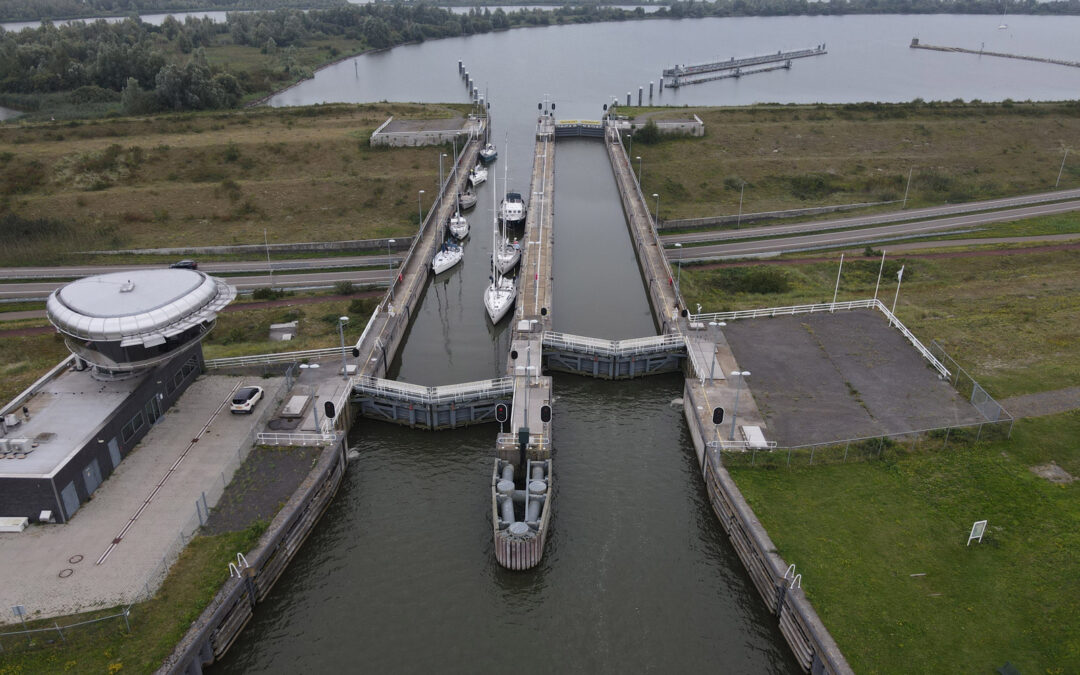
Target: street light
{"x":441,"y":155}
{"x":420,"y":207}
{"x":656,"y":217}
{"x":390,"y":266}
{"x":630,"y":150}
{"x":741,"y":374}
{"x":638,"y":169}
{"x":678,"y":278}
{"x":342,"y":320}
{"x":714,"y":326}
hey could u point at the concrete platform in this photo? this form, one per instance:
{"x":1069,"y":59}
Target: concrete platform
{"x":32,"y":562}
{"x":834,"y":376}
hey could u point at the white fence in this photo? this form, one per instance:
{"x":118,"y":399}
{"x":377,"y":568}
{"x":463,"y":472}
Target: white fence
{"x":579,"y":344}
{"x":828,"y":307}
{"x":419,"y":394}
{"x":295,"y":439}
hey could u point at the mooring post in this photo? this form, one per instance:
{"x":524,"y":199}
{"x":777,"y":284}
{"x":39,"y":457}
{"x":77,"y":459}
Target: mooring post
{"x":650,"y":89}
{"x":639,"y":92}
{"x":628,"y":99}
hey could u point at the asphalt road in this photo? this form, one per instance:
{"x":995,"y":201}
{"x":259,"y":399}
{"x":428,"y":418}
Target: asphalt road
{"x":39,"y":290}
{"x":876,"y":219}
{"x":860,"y":237}
{"x":76,"y":271}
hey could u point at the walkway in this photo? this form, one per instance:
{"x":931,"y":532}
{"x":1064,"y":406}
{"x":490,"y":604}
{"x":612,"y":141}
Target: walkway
{"x":1043,"y":403}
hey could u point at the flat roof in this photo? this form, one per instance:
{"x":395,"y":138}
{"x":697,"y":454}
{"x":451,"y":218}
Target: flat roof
{"x":445,"y":124}
{"x":65,"y":414}
{"x":150,"y":303}
{"x":128,"y":293}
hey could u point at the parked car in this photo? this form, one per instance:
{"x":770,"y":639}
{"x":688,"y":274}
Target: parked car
{"x":185,"y":265}
{"x":245,"y":398}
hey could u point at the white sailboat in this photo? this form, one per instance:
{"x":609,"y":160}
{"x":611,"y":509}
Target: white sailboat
{"x":459,"y":226}
{"x":499,"y":295}
{"x":1003,"y":25}
{"x":449,"y":254}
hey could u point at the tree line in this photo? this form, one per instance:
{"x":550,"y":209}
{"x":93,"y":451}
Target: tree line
{"x":55,"y":10}
{"x":148,"y":68}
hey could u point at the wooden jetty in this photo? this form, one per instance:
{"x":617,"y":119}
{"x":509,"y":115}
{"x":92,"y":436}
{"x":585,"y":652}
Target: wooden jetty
{"x":915,"y":44}
{"x":681,"y":71}
{"x":528,"y":439}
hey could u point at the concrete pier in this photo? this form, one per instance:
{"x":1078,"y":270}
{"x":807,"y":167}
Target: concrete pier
{"x":532,"y":391}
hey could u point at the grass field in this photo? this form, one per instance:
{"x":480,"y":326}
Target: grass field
{"x":1010,"y":320}
{"x":800,"y":156}
{"x":305,"y":174}
{"x":858,"y":532}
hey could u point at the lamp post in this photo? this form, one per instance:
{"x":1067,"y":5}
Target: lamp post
{"x":441,"y":155}
{"x":420,"y":207}
{"x":1058,"y":181}
{"x":741,"y":374}
{"x":342,"y":320}
{"x":714,"y":327}
{"x":656,"y":216}
{"x":678,"y":277}
{"x":638,"y":169}
{"x":390,"y":266}
{"x":742,"y":189}
{"x":630,"y":150}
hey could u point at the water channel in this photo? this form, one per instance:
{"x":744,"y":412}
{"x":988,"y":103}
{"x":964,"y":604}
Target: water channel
{"x":400,"y":574}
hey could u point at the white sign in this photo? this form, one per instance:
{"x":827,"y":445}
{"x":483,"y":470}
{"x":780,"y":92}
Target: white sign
{"x":977,"y":531}
{"x":18,"y":610}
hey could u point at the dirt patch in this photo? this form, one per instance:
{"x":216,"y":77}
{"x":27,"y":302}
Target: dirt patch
{"x":1053,"y":473}
{"x":260,"y":487}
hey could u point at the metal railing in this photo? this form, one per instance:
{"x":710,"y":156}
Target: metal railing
{"x":296,"y":439}
{"x":580,"y":344}
{"x":419,"y":394}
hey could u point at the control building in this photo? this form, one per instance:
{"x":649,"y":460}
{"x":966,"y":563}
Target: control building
{"x":136,"y":344}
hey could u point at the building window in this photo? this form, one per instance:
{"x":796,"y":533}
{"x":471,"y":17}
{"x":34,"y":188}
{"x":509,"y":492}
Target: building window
{"x":132,"y":427}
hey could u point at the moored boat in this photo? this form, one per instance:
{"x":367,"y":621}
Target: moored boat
{"x":478,"y":175}
{"x":488,"y":153}
{"x":467,"y":200}
{"x":500,"y":293}
{"x":459,"y":226}
{"x":508,"y":255}
{"x":448,"y":255}
{"x":512,"y":210}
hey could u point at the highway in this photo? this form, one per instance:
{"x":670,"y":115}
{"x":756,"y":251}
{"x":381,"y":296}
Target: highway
{"x":39,"y":290}
{"x":876,"y":219}
{"x":228,"y":267}
{"x":860,"y":237}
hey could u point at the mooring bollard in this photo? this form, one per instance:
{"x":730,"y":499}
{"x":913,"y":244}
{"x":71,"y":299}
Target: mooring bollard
{"x":650,"y":89}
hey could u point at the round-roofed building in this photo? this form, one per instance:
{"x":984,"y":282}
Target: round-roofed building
{"x":124,"y":322}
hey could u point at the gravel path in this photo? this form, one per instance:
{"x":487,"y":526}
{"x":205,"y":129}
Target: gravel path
{"x":1043,"y":403}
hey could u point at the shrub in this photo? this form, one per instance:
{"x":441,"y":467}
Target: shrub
{"x":344,"y":288}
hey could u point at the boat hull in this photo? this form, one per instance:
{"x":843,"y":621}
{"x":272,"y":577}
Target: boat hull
{"x":443,"y":262}
{"x":499,"y":301}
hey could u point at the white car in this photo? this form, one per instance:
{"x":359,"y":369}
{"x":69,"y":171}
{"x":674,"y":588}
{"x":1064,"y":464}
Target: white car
{"x":245,"y":399}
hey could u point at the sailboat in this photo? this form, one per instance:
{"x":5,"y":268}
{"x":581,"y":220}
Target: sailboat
{"x":459,"y":226}
{"x":1003,"y":25}
{"x":449,"y":254}
{"x":499,"y":295}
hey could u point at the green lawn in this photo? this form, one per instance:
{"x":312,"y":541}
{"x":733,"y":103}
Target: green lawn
{"x":858,"y":531}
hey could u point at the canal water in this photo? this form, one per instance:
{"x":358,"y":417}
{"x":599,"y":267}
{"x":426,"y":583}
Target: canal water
{"x":400,"y":574}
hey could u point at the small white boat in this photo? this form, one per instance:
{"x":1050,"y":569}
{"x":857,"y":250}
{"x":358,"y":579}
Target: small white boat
{"x":459,"y":227}
{"x":466,"y":200}
{"x":488,"y":153}
{"x":448,"y":255}
{"x":512,"y":210}
{"x":508,"y":256}
{"x":478,"y":175}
